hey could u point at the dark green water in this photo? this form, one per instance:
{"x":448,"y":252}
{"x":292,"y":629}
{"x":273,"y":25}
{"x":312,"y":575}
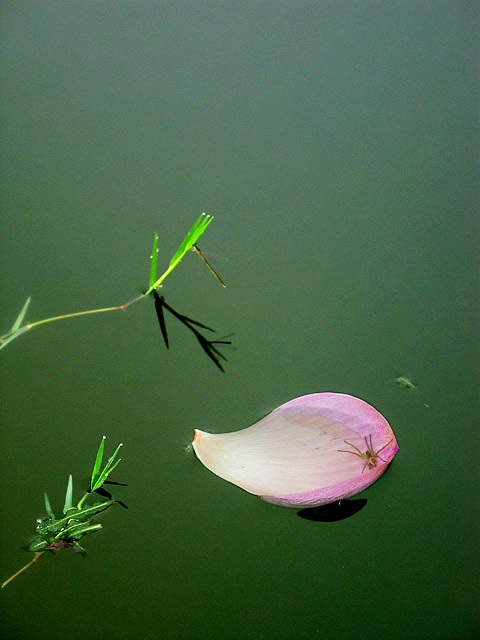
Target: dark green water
{"x":335,"y":144}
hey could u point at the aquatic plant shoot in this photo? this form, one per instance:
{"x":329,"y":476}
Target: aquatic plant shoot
{"x":314,"y":450}
{"x":65,"y":532}
{"x":189,"y":243}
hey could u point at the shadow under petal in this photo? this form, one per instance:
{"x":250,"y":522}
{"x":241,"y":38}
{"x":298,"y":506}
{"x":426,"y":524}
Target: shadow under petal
{"x":333,"y":512}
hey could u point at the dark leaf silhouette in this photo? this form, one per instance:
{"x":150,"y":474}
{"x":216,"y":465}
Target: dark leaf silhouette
{"x":208,"y":346}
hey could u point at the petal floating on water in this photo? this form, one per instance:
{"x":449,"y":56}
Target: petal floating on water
{"x":310,"y":451}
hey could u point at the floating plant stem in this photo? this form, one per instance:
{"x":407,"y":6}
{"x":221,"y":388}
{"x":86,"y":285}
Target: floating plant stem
{"x":64,"y":532}
{"x":29,"y":564}
{"x":186,"y":245}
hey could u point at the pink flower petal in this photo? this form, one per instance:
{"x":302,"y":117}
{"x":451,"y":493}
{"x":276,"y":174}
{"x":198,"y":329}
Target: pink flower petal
{"x":297,"y":455}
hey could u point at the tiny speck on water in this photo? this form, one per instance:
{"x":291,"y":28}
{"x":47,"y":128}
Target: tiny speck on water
{"x":404,"y":382}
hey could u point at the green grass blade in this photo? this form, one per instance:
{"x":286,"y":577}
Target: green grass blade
{"x":111,"y":469}
{"x":94,"y":508}
{"x":190,"y":239}
{"x":181,"y":251}
{"x":78,"y":549}
{"x":17,"y":333}
{"x":192,"y":236}
{"x":79,"y":532}
{"x":97,"y":465}
{"x":37,"y":544}
{"x":21,"y":315}
{"x":68,"y":495}
{"x":153,"y":264}
{"x":79,"y":515}
{"x":48,"y":508}
{"x":108,"y":468}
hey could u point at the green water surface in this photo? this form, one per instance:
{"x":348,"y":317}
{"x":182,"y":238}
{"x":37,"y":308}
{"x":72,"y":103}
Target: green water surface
{"x":336,"y":145}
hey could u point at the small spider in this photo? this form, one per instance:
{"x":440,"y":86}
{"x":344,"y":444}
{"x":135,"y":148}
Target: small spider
{"x":370,"y":455}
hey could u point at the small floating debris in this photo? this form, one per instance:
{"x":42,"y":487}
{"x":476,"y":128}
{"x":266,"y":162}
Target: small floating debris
{"x":406,"y":383}
{"x":314,"y":450}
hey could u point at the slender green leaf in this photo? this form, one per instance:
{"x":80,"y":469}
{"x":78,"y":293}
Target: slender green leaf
{"x":153,"y":264}
{"x":73,"y":516}
{"x":73,"y":527}
{"x":180,"y":252}
{"x":17,"y":333}
{"x":94,"y":508}
{"x":192,"y":236}
{"x":68,"y":495}
{"x":37,"y":544}
{"x":85,"y":530}
{"x":108,"y":469}
{"x":48,"y":508}
{"x":21,"y":315}
{"x":98,"y":464}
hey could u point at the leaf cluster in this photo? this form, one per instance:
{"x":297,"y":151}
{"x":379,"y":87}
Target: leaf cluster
{"x":76,"y":522}
{"x":187,"y":245}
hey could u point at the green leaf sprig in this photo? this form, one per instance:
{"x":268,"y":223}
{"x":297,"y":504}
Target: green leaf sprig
{"x":76,"y":522}
{"x":186,"y":245}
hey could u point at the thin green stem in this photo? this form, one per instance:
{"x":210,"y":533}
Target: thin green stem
{"x":156,"y":284}
{"x":65,"y":316}
{"x":80,"y":504}
{"x":120,"y":307}
{"x":29,"y":564}
{"x":189,"y":241}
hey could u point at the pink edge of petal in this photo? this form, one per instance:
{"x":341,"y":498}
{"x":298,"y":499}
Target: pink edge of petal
{"x":359,"y":411}
{"x":332,"y":493}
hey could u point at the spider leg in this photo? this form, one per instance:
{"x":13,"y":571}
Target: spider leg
{"x":385,"y":445}
{"x":354,"y":453}
{"x":352,"y":445}
{"x":370,"y":448}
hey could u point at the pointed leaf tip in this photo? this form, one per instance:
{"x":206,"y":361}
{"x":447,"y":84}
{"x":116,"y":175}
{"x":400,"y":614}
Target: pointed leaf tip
{"x":21,"y":315}
{"x":48,"y":508}
{"x":68,"y":495}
